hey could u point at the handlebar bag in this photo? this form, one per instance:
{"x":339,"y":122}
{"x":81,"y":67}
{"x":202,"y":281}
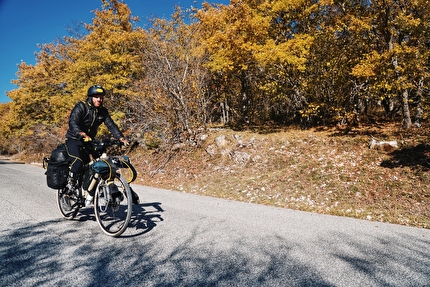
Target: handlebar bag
{"x":101,"y":167}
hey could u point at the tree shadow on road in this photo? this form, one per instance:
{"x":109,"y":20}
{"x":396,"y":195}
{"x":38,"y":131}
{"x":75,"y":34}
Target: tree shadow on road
{"x":38,"y":254}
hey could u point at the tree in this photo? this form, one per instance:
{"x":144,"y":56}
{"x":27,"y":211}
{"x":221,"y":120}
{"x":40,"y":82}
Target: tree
{"x":175,"y":84}
{"x":398,"y":61}
{"x":284,"y":56}
{"x":231,"y":35}
{"x":41,"y":97}
{"x":260,"y":50}
{"x":110,"y":54}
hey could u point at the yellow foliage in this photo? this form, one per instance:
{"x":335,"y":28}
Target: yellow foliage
{"x":259,"y":58}
{"x":326,"y":2}
{"x":117,"y":117}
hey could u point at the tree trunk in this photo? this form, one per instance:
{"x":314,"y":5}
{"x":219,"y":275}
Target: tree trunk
{"x":224,"y":112}
{"x":420,"y":109}
{"x":407,"y":122}
{"x":246,"y":100}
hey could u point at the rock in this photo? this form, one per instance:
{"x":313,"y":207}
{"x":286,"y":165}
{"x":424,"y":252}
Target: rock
{"x":241,"y":157}
{"x":388,"y":146}
{"x":221,"y":141}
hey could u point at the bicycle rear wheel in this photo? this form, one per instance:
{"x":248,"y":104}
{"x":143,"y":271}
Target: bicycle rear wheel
{"x":68,"y":203}
{"x":113,"y":213}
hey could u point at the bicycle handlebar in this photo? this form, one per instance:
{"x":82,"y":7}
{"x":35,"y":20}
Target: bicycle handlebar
{"x":99,"y":147}
{"x":106,"y":142}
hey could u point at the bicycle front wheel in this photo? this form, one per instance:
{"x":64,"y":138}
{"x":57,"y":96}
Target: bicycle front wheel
{"x":113,"y":210}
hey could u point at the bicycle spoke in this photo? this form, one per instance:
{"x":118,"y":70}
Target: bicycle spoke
{"x":68,"y":203}
{"x":113,"y":206}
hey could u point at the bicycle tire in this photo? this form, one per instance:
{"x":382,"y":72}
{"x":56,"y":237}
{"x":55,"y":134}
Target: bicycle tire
{"x":113,"y":216}
{"x":67,"y":209}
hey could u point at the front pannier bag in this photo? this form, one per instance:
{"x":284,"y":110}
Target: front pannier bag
{"x":57,"y":170}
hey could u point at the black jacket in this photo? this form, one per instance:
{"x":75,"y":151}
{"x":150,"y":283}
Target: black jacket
{"x":87,"y":118}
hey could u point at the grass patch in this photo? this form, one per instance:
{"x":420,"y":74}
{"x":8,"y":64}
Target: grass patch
{"x":319,"y":171}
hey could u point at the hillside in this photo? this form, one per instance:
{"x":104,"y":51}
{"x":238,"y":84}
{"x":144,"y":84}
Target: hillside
{"x":324,"y":171}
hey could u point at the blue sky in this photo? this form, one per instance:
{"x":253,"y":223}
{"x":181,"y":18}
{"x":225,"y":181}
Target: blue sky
{"x":26,"y":23}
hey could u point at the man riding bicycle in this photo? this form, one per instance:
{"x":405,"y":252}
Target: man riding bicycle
{"x":84,"y":122}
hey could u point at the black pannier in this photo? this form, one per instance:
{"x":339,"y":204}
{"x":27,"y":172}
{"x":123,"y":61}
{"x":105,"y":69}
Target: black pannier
{"x":57,"y":169}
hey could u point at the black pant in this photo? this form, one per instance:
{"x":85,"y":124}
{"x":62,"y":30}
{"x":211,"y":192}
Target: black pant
{"x":79,"y":156}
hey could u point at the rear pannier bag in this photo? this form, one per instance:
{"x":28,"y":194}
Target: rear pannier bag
{"x":57,"y":170}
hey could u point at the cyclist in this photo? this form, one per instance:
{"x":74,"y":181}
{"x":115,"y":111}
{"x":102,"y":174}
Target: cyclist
{"x":84,"y":122}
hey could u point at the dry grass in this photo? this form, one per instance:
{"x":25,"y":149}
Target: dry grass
{"x":321,"y":171}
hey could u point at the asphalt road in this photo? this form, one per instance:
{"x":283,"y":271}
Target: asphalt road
{"x":178,"y":239}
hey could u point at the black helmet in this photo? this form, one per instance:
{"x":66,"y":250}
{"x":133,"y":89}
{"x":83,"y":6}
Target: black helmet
{"x":96,"y":90}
